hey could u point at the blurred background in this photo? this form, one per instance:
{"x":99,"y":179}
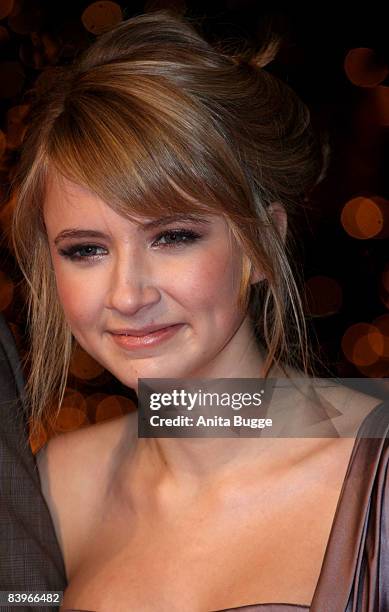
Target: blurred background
{"x":337,"y":60}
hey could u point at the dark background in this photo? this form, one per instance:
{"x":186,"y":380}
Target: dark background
{"x":346,"y":300}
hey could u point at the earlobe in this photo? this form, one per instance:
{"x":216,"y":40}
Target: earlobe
{"x":280,"y":219}
{"x":251,"y":272}
{"x":256,"y":277}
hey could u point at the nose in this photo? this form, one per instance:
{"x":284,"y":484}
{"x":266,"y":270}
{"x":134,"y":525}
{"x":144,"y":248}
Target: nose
{"x":132,"y":287}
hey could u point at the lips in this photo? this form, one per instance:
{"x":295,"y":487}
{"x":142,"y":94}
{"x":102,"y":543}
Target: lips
{"x":144,"y":331}
{"x":126,"y":338}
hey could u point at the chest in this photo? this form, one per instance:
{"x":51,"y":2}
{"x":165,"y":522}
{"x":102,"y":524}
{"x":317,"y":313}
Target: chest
{"x":204,"y":558}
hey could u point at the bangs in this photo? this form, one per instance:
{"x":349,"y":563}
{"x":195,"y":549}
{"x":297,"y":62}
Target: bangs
{"x":145,"y":151}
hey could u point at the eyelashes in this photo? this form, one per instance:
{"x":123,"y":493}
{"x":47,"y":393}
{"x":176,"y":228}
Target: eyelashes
{"x":78,"y":252}
{"x":179,"y":237}
{"x":175,"y":238}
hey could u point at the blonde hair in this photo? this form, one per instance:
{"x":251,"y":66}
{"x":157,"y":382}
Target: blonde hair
{"x":148,"y":113}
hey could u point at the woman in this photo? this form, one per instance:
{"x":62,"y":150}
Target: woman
{"x":153,"y":191}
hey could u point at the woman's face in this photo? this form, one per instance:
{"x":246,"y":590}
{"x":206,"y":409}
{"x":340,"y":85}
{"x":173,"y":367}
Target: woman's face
{"x":115,"y":278}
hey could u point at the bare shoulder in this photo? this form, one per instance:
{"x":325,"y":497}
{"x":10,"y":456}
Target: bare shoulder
{"x":75,"y":469}
{"x":324,"y":406}
{"x":86,"y":448}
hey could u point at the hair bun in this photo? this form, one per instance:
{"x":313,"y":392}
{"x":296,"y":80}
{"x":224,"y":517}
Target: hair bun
{"x":261,"y":58}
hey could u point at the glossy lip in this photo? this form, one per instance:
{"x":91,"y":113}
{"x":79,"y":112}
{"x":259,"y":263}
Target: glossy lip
{"x":128,"y":331}
{"x":127,"y":341}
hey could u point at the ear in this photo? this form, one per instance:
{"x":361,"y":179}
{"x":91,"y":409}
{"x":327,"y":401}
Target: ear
{"x":280,"y":219}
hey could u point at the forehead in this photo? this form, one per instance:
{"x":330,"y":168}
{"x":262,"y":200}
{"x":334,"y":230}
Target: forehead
{"x":68,"y":204}
{"x":61,"y":193}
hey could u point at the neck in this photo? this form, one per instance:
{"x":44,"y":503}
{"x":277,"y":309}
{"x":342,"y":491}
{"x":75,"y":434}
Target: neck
{"x":188,"y":464}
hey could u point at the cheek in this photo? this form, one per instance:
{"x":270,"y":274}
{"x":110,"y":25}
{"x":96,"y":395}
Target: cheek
{"x":211,"y":281}
{"x":80,"y":301}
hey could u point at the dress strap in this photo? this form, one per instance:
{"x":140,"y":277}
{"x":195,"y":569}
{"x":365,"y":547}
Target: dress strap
{"x":352,"y":578}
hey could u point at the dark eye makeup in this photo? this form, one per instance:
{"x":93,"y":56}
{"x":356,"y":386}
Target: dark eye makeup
{"x":174,"y":238}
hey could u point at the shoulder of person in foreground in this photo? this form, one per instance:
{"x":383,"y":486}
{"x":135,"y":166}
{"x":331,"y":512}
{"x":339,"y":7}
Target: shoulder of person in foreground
{"x":30,"y":556}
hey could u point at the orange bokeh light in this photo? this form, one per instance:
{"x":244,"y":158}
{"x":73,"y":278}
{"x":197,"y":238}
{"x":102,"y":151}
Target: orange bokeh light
{"x":101,"y":15}
{"x":83,"y":366}
{"x":73,"y":412}
{"x":379,"y":369}
{"x":70,"y":418}
{"x":382,"y":324}
{"x":366,"y":217}
{"x":363,"y":67}
{"x":93,"y":400}
{"x":113,"y":406}
{"x":363,"y":344}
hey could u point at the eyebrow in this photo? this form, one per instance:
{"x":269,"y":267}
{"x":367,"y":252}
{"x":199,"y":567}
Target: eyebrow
{"x":89,"y":233}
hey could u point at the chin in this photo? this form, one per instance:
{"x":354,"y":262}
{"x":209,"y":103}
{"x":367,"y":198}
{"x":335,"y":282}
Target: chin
{"x":152,"y":371}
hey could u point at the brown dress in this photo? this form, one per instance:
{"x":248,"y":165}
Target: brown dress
{"x":355,"y":573}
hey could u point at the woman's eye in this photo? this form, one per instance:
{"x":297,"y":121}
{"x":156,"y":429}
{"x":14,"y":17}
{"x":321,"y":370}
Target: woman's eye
{"x":172,"y":238}
{"x":92,"y":252}
{"x":83,"y":252}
